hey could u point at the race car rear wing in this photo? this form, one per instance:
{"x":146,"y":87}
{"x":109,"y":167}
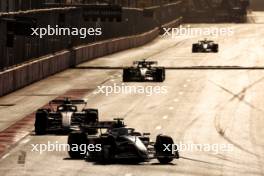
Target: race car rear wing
{"x":103,"y":125}
{"x":207,"y":41}
{"x":145,"y":62}
{"x":67,"y":101}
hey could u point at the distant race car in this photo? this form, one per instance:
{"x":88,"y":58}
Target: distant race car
{"x":205,"y":46}
{"x":143,"y":71}
{"x":119,"y":143}
{"x":64,"y":118}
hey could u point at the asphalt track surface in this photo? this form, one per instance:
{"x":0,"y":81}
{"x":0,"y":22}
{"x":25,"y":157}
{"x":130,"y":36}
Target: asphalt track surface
{"x":203,"y":106}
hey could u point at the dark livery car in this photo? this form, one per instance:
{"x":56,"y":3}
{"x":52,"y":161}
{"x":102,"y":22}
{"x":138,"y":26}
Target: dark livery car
{"x":64,"y":117}
{"x":120,"y":144}
{"x":143,"y":71}
{"x":205,"y":46}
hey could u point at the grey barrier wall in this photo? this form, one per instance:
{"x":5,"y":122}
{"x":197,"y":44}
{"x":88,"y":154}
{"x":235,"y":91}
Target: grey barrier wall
{"x":87,"y":52}
{"x":134,"y":21}
{"x":58,"y":57}
{"x":90,"y":51}
{"x":16,"y":5}
{"x":27,"y":73}
{"x":30,"y":72}
{"x":27,"y":48}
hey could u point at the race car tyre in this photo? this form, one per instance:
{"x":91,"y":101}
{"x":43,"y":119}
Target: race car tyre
{"x":164,"y":156}
{"x":108,"y":150}
{"x":75,"y":140}
{"x":41,"y":122}
{"x":160,"y":74}
{"x":194,"y":48}
{"x":126,"y":75}
{"x":107,"y":156}
{"x":91,"y":117}
{"x":165,"y":160}
{"x":215,"y":48}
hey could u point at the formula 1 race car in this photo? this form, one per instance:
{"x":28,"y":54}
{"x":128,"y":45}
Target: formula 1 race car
{"x":119,"y":143}
{"x":205,"y":46}
{"x":143,"y":71}
{"x":65,"y":117}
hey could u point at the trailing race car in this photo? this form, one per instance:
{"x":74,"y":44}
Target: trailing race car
{"x":143,"y":71}
{"x":119,"y":143}
{"x":205,"y":46}
{"x":65,"y":117}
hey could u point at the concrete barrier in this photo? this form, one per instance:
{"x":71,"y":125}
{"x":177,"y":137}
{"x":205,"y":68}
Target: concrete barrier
{"x":25,"y":74}
{"x":18,"y":77}
{"x":90,"y":51}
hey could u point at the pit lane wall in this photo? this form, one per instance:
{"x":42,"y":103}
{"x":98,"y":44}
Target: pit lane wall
{"x":27,"y":73}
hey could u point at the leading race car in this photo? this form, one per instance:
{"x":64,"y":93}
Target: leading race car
{"x":143,"y":71}
{"x":64,"y":118}
{"x":205,"y":46}
{"x":119,"y":143}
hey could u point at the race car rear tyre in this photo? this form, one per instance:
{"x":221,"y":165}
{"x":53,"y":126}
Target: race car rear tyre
{"x":215,"y":48}
{"x":164,"y":156}
{"x":126,"y":75}
{"x":91,"y":117}
{"x":160,"y":75}
{"x":75,"y":140}
{"x":41,"y":122}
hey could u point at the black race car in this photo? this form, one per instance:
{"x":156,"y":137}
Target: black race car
{"x":119,"y":143}
{"x":64,"y":118}
{"x":143,"y":71}
{"x":205,"y":46}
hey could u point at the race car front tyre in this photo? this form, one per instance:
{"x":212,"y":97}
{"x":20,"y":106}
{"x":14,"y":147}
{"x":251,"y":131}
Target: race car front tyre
{"x":165,"y":160}
{"x":164,"y":156}
{"x":194,"y":48}
{"x":126,"y":75}
{"x":107,"y":154}
{"x":41,"y":122}
{"x":75,"y":140}
{"x":108,"y":150}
